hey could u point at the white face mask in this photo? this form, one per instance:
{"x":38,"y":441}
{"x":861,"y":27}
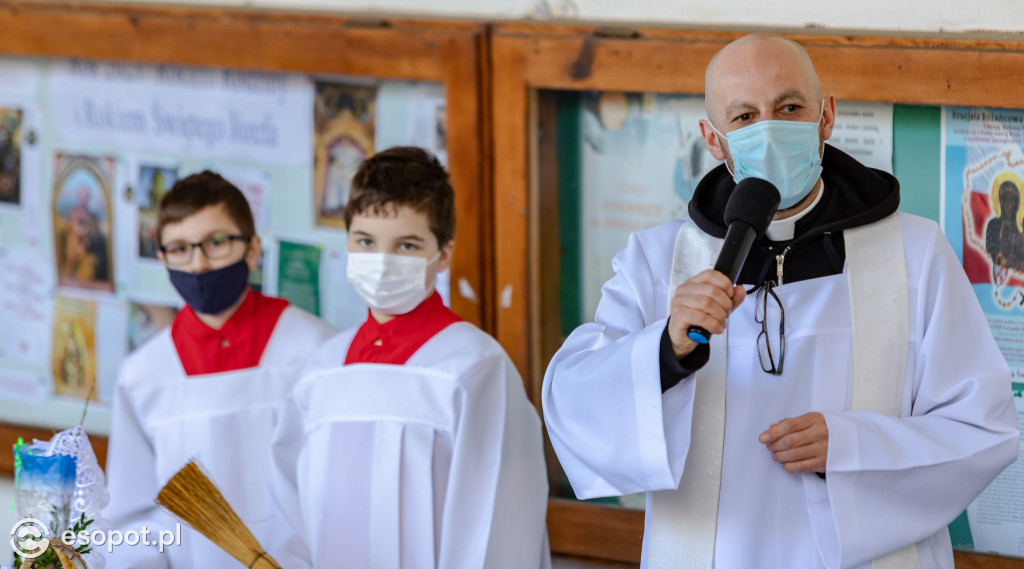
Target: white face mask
{"x":391,"y":284}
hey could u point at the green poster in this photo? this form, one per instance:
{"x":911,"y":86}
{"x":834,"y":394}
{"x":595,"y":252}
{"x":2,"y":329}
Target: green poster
{"x":298,"y":275}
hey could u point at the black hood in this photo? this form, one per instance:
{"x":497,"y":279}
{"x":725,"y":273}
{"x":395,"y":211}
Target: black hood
{"x":855,"y":195}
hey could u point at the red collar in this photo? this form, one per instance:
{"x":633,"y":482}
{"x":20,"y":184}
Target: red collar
{"x":238,"y":344}
{"x":401,"y":336}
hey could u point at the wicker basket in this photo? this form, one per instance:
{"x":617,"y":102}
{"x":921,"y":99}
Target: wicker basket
{"x":69,"y":558}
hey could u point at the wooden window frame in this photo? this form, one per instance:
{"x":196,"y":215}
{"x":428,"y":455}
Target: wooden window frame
{"x":526,"y":58}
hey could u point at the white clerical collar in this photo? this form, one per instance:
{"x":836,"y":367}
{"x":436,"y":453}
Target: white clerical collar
{"x":783,"y":229}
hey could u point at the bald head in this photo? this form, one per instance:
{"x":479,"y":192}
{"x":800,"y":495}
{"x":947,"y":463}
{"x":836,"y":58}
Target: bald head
{"x":754,"y":60}
{"x":763,"y":78}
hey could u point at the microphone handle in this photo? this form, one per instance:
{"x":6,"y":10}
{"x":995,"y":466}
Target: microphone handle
{"x":738,"y":239}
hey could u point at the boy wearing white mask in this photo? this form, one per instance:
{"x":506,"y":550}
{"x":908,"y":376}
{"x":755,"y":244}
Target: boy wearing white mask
{"x":409,"y":442}
{"x":210,"y":385}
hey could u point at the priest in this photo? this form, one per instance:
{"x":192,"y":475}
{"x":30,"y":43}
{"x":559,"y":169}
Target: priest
{"x":847,"y":408}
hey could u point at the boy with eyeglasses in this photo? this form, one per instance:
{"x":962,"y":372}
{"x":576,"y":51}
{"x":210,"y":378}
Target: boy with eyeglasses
{"x":409,"y":442}
{"x":210,"y":385}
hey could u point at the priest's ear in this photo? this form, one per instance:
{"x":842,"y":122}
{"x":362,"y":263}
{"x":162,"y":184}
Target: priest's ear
{"x":252,"y":255}
{"x":712,"y":140}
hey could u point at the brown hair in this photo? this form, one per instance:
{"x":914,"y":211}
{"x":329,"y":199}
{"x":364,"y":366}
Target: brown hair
{"x":405,"y":175}
{"x":198,"y":191}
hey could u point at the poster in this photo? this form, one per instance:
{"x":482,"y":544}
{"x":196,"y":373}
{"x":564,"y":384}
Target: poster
{"x":74,"y":347}
{"x":642,"y":156}
{"x":982,"y":218}
{"x":82,"y":221}
{"x":23,"y":387}
{"x":154,"y":182}
{"x":343,"y":136}
{"x":257,"y":276}
{"x":256,"y":187}
{"x":343,"y":308}
{"x":264,"y":278}
{"x":10,"y":155}
{"x":145,"y":320}
{"x":26,"y":300}
{"x":440,"y":138}
{"x":298,"y":278}
{"x":221,"y":114}
{"x":411,"y":113}
{"x":983,"y":166}
{"x":864,"y":131}
{"x":996,"y":524}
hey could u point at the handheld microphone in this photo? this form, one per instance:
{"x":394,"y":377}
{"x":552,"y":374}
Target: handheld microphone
{"x":747,"y":214}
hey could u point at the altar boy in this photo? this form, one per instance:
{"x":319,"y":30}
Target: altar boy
{"x":409,"y":442}
{"x":211,"y":385}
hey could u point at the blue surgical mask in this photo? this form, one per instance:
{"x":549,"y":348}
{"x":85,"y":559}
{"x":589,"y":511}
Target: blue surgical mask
{"x":214,"y":291}
{"x":786,"y":153}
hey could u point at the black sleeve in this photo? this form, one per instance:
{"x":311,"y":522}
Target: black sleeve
{"x":673,"y":369}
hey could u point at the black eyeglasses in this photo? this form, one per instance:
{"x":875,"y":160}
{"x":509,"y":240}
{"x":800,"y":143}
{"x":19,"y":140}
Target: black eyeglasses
{"x":214,"y":248}
{"x":771,"y":348}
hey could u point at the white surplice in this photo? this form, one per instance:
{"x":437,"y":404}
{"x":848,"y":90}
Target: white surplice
{"x":162,"y":418}
{"x":891,"y":481}
{"x":437,"y":463}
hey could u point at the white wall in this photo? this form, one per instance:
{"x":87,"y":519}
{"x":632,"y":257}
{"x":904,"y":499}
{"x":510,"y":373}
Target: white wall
{"x":929,"y":16}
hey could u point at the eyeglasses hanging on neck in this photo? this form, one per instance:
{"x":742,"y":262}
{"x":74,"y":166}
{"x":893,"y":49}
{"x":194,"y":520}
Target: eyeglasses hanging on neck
{"x":771,"y":342}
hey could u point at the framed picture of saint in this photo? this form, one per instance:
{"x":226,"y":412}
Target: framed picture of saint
{"x":81,"y":211}
{"x":343,"y":136}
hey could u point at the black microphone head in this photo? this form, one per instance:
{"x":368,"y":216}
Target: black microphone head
{"x":753,"y":202}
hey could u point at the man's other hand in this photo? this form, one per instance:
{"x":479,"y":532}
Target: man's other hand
{"x":799,"y":444}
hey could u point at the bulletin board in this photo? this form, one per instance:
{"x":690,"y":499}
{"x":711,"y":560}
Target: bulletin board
{"x":109,"y":104}
{"x":530,"y":62}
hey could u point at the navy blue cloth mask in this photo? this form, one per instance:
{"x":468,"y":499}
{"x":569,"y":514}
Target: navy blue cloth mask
{"x":214,"y":291}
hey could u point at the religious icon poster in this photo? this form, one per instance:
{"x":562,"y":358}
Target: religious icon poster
{"x":146,"y":320}
{"x":10,"y":155}
{"x":82,"y":228}
{"x":343,"y":136}
{"x":154,"y":182}
{"x":74,"y":347}
{"x":983,"y":182}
